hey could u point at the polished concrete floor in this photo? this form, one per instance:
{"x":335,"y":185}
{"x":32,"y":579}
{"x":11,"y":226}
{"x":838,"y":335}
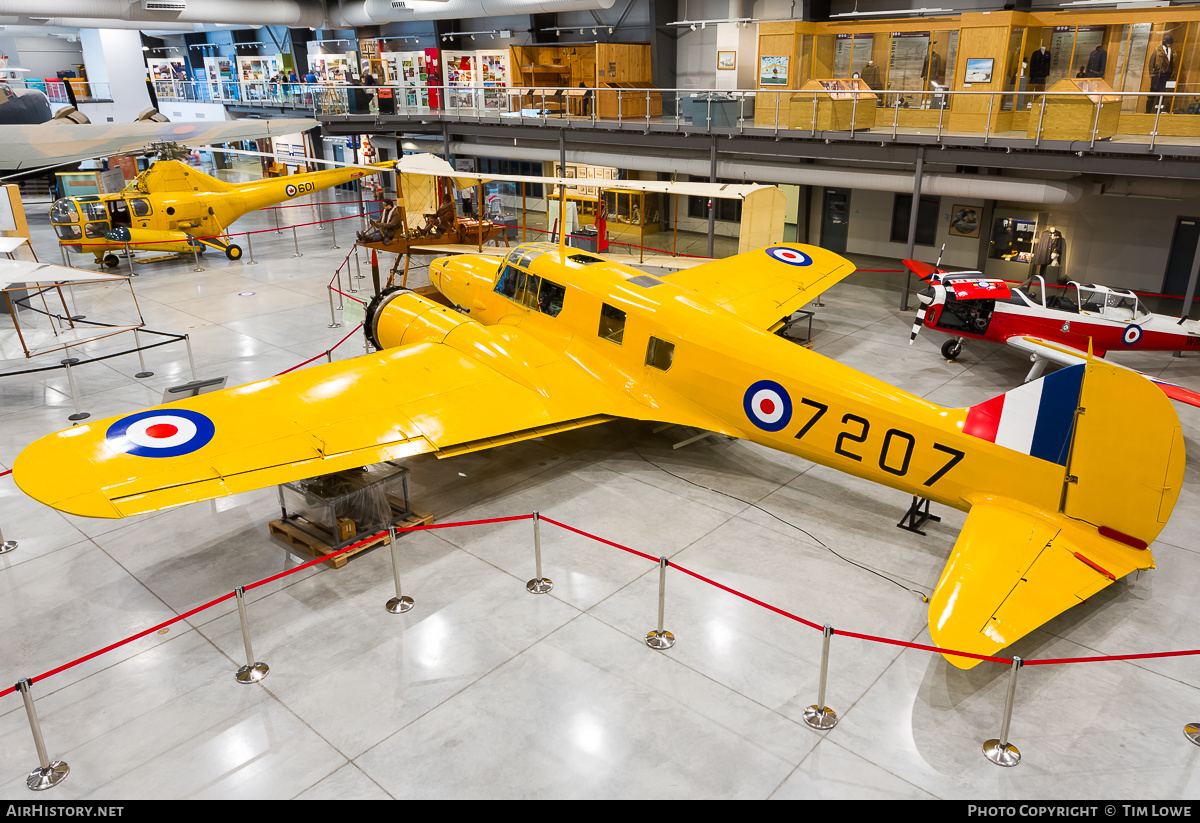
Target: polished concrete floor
{"x":484,"y":690}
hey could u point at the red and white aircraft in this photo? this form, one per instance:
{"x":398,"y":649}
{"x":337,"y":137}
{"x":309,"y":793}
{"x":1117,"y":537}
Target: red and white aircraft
{"x":1058,"y":328}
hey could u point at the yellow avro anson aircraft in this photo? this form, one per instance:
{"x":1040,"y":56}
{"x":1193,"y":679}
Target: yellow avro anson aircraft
{"x":547,"y":339}
{"x":174,"y":207}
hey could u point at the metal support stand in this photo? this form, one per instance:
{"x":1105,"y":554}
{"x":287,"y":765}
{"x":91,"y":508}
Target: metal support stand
{"x":400,"y":603}
{"x":79,"y":413}
{"x":196,"y":257}
{"x":1192,"y":732}
{"x":820,"y":716}
{"x":6,"y":545}
{"x":141,"y":359}
{"x":252,"y":672}
{"x":539,"y":584}
{"x":250,"y":248}
{"x":129,"y":260}
{"x":296,"y":243}
{"x":48,"y":774}
{"x":187,"y":340}
{"x":917,"y":516}
{"x":333,"y":321}
{"x":998,"y":749}
{"x":659,"y":639}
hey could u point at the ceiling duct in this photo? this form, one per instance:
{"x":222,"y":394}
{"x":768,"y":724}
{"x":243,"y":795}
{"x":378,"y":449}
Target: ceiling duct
{"x":1048,"y":192}
{"x":349,"y":13}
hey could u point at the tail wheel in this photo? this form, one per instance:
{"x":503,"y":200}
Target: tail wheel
{"x":233,"y":252}
{"x":951,"y":349}
{"x":111,"y":260}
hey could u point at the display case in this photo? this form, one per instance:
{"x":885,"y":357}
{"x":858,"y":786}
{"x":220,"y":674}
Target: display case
{"x":1091,"y":115}
{"x":833,"y":105}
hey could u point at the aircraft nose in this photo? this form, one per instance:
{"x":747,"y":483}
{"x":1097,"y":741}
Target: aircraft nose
{"x":926,"y":295}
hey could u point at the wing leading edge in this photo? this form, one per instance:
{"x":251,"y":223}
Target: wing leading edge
{"x":409,"y":400}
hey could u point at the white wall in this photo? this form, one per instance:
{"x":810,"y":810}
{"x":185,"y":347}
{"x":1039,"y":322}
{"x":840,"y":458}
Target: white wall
{"x":115,"y":56}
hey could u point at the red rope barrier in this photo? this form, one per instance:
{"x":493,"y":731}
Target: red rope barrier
{"x":262,"y":582}
{"x":7,"y":472}
{"x":322,"y":354}
{"x":600,"y":539}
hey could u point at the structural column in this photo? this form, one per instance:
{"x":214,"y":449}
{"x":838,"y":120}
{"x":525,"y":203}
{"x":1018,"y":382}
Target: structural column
{"x":912,"y":223}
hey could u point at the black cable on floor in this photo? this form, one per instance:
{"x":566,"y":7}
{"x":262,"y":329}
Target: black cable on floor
{"x":924,"y":597}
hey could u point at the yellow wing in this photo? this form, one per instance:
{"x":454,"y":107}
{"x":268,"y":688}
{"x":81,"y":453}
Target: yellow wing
{"x":763,"y":286}
{"x":408,"y":400}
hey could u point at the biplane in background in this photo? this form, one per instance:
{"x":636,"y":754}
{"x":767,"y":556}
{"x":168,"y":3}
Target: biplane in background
{"x":430,"y":225}
{"x":548,"y":339}
{"x":1050,"y":328}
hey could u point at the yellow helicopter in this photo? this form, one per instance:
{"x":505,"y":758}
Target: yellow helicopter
{"x":174,"y":207}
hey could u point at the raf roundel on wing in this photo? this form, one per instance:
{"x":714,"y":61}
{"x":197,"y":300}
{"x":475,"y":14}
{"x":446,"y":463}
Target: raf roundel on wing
{"x":161,"y":433}
{"x":790,"y":256}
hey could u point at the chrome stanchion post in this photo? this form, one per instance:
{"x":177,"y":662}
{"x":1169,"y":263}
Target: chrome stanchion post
{"x":333,"y":321}
{"x":333,"y":233}
{"x":275,"y":211}
{"x":79,"y":413}
{"x":998,"y":749}
{"x":400,"y":603}
{"x":358,"y":275}
{"x":539,"y":584}
{"x":250,"y":248}
{"x":339,"y":289}
{"x":659,"y":639}
{"x":820,"y":716}
{"x":317,"y":216}
{"x":6,"y":545}
{"x":48,"y":774}
{"x":137,"y":342}
{"x":187,"y":340}
{"x":296,"y":243}
{"x":252,"y":672}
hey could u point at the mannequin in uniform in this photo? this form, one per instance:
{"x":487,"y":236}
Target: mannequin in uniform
{"x":1096,"y":62}
{"x":932,"y":71}
{"x":1039,"y":68}
{"x":1161,"y":69}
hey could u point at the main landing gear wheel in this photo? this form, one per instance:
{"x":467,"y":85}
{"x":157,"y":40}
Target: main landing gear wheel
{"x":233,"y":252}
{"x":111,"y":260}
{"x":951,"y":349}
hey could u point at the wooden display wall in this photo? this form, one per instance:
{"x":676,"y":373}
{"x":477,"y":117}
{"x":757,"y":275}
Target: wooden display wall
{"x":1007,"y":37}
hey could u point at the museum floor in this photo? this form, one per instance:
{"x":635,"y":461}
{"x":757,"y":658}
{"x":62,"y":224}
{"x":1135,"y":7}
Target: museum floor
{"x":484,"y":690}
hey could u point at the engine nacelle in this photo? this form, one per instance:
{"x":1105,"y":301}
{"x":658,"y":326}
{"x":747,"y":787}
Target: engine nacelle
{"x":400,"y":317}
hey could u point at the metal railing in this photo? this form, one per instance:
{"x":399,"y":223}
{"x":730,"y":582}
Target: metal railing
{"x":1012,"y":113}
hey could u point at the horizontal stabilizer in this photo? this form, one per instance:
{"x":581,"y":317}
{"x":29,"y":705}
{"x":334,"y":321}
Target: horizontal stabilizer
{"x":1013,"y":569}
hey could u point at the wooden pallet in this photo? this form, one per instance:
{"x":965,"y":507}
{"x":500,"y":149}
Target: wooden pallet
{"x":299,"y":539}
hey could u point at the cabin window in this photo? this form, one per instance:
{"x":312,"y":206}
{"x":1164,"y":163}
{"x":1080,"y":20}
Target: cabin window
{"x":95,"y":230}
{"x":63,"y":211}
{"x":69,"y":232}
{"x":660,"y":353}
{"x":506,"y":283}
{"x":527,"y":291}
{"x":550,"y":298}
{"x":95,"y":210}
{"x":141,"y":207}
{"x":612,"y":323}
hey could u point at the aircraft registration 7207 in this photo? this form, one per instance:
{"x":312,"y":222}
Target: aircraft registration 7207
{"x":547,"y":339}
